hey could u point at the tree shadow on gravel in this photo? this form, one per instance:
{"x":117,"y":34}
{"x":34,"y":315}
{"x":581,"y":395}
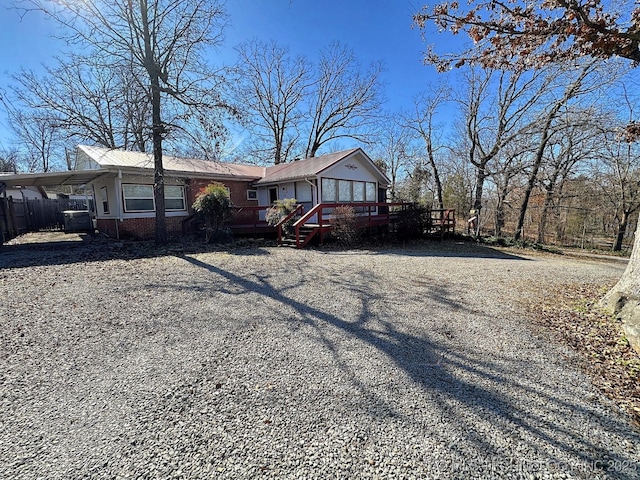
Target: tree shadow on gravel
{"x":85,"y":248}
{"x":475,"y":393}
{"x":99,"y":249}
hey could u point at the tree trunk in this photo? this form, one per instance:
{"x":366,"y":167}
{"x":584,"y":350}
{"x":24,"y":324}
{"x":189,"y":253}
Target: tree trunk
{"x":530,"y":185}
{"x":481,"y":175}
{"x":622,"y":229}
{"x":434,"y":169}
{"x":542,"y":226}
{"x":572,"y":91}
{"x":158,"y":169}
{"x":629,"y":285}
{"x":157,"y":128}
{"x":624,"y":298}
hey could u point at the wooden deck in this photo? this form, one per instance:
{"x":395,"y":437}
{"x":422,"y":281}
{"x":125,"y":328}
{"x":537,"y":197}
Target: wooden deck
{"x":317,"y":222}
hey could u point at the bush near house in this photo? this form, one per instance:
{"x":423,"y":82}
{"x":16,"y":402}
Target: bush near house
{"x":412,"y":222}
{"x":343,"y":225}
{"x":214,"y":204}
{"x":279,"y":210}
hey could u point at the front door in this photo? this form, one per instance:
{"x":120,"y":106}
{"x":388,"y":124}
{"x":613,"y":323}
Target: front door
{"x":273,"y":195}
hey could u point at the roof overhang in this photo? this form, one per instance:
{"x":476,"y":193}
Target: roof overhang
{"x":71,"y":177}
{"x":83,"y":177}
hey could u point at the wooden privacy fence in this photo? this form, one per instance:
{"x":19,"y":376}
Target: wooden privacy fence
{"x":22,"y":216}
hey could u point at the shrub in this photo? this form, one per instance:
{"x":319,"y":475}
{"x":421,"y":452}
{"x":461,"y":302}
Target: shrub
{"x":412,"y":222}
{"x":279,"y":210}
{"x":214,"y":204}
{"x":344,"y":225}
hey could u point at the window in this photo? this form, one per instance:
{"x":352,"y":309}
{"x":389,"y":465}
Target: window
{"x":252,"y":195}
{"x":138,"y":198}
{"x":358,"y":192}
{"x":174,"y":197}
{"x":104,"y":199}
{"x":338,"y":191}
{"x":329,"y":190}
{"x":344,"y":191}
{"x":371,"y":192}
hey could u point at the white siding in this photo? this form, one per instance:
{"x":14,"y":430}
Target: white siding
{"x":286,"y":190}
{"x":303,"y":192}
{"x":345,"y":170}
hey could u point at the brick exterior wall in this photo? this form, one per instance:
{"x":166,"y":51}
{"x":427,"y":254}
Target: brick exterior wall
{"x":237,"y":191}
{"x":144,"y":228}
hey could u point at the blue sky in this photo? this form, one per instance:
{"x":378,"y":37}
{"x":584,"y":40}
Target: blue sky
{"x":375,"y":29}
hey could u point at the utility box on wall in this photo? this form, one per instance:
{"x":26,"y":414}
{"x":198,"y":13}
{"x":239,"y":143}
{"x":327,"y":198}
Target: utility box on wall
{"x":76,"y":221}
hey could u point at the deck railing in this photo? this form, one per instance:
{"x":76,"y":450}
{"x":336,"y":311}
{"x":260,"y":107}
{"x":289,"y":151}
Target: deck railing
{"x":318,"y":220}
{"x":368,"y":214}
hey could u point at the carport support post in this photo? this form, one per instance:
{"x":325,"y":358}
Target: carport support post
{"x":4,"y":219}
{"x":10,"y":220}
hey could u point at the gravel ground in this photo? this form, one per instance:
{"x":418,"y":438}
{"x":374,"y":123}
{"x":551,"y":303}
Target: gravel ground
{"x":280,"y":363}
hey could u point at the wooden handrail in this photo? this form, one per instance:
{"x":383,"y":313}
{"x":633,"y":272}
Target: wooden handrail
{"x":302,"y":220}
{"x":286,"y":218}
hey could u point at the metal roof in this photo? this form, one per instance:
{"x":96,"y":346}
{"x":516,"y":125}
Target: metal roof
{"x":110,"y":161}
{"x":311,"y":167}
{"x":121,"y":159}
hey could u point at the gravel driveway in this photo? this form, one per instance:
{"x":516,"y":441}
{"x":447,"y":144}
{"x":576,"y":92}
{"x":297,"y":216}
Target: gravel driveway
{"x":280,"y":363}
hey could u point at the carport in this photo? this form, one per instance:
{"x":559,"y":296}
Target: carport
{"x":18,"y":215}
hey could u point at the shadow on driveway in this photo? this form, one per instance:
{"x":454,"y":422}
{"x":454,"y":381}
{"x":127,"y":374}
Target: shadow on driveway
{"x":470,"y":389}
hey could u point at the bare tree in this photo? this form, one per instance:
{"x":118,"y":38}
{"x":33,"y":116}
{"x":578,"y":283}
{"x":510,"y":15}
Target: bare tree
{"x":162,"y":41}
{"x":510,"y":165}
{"x":496,"y":112}
{"x":618,"y":176}
{"x":272,"y":87}
{"x":90,"y":100}
{"x":538,"y":33}
{"x":393,"y":152}
{"x":37,"y":136}
{"x":543,"y":131}
{"x":574,"y":140}
{"x":345,"y":100}
{"x":9,"y":160}
{"x":422,"y":122}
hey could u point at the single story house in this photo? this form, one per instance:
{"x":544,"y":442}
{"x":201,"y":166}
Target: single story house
{"x":121,"y":182}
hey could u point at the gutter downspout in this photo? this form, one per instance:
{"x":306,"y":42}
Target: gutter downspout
{"x":315,"y":187}
{"x":118,"y":202}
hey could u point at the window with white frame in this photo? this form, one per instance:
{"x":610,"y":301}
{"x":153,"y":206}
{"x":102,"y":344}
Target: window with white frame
{"x":371,"y":192}
{"x":174,"y":197}
{"x":252,"y":195}
{"x":358,"y":191}
{"x":344,"y":191}
{"x":139,"y":198}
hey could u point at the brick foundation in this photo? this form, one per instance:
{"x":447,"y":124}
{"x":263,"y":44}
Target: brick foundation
{"x":139,"y":228}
